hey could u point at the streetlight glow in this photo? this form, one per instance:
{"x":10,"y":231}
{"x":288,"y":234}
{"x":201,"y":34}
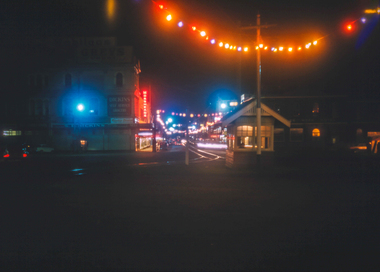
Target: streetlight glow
{"x":80,"y":107}
{"x":203,"y":33}
{"x":169,"y":17}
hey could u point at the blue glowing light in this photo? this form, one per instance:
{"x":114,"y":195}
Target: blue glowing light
{"x":180,"y":24}
{"x":80,"y":107}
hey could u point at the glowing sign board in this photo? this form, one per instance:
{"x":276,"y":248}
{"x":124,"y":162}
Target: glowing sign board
{"x":145,"y":95}
{"x":119,"y":105}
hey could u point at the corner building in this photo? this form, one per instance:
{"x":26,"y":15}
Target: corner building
{"x":91,"y":100}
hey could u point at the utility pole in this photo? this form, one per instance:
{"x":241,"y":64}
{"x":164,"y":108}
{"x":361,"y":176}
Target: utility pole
{"x":152,"y":110}
{"x":258,"y":98}
{"x":187,"y":139}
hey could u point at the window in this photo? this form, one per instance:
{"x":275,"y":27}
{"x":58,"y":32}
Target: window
{"x":11,"y":132}
{"x":244,"y":136}
{"x":296,"y":134}
{"x":265,"y":131}
{"x":119,"y":80}
{"x":279,"y":135}
{"x":265,"y":136}
{"x":316,"y":133}
{"x":68,"y":80}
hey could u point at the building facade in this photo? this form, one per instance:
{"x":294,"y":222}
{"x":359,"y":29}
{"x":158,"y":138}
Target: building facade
{"x":86,"y":98}
{"x":308,"y":124}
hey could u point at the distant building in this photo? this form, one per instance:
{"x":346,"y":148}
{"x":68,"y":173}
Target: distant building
{"x":296,"y":124}
{"x":83,"y":94}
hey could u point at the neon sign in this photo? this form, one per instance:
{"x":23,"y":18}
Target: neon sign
{"x":145,"y":94}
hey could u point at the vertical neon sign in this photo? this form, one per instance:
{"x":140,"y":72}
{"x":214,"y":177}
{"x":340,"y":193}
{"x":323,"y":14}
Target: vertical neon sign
{"x":145,"y":93}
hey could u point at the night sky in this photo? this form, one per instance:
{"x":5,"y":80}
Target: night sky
{"x":186,"y":71}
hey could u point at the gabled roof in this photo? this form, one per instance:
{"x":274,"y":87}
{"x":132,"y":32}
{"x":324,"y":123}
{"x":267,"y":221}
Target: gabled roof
{"x":249,"y":109}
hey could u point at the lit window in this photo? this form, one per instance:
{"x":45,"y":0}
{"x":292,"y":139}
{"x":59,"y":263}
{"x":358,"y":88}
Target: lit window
{"x":316,"y":133}
{"x":11,"y":132}
{"x":244,"y":136}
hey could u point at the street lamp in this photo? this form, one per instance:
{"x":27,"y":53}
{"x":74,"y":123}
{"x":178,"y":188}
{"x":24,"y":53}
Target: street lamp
{"x":80,"y":107}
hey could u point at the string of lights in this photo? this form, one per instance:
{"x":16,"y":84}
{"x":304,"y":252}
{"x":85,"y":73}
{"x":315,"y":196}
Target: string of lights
{"x":194,"y":115}
{"x":266,"y":47}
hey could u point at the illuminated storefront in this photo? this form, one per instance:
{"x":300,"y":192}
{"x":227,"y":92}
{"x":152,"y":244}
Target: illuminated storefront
{"x":143,"y":141}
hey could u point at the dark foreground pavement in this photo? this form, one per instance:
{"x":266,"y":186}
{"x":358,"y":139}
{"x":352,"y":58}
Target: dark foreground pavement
{"x":121,"y":217}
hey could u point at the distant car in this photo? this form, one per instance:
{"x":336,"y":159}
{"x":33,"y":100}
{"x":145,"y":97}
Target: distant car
{"x":14,"y":152}
{"x":44,"y":148}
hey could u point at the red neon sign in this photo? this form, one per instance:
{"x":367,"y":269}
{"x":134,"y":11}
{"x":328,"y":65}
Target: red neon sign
{"x":145,"y":94}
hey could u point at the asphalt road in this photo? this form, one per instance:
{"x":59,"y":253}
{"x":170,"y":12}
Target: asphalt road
{"x":149,"y":211}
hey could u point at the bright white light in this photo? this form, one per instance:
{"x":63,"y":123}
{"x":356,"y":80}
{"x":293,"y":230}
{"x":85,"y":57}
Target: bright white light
{"x":239,"y":49}
{"x":80,"y":107}
{"x":180,"y":24}
{"x":223,"y":105}
{"x":213,"y":146}
{"x":364,"y":20}
{"x":170,"y":120}
{"x":212,"y":41}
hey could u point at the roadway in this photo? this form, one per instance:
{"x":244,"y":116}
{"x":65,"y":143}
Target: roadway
{"x":149,"y":211}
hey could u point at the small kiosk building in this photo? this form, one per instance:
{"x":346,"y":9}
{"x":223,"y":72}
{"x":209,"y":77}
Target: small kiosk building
{"x":242,"y":133}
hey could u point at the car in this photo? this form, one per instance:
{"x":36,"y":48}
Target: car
{"x":14,"y":152}
{"x":44,"y":148}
